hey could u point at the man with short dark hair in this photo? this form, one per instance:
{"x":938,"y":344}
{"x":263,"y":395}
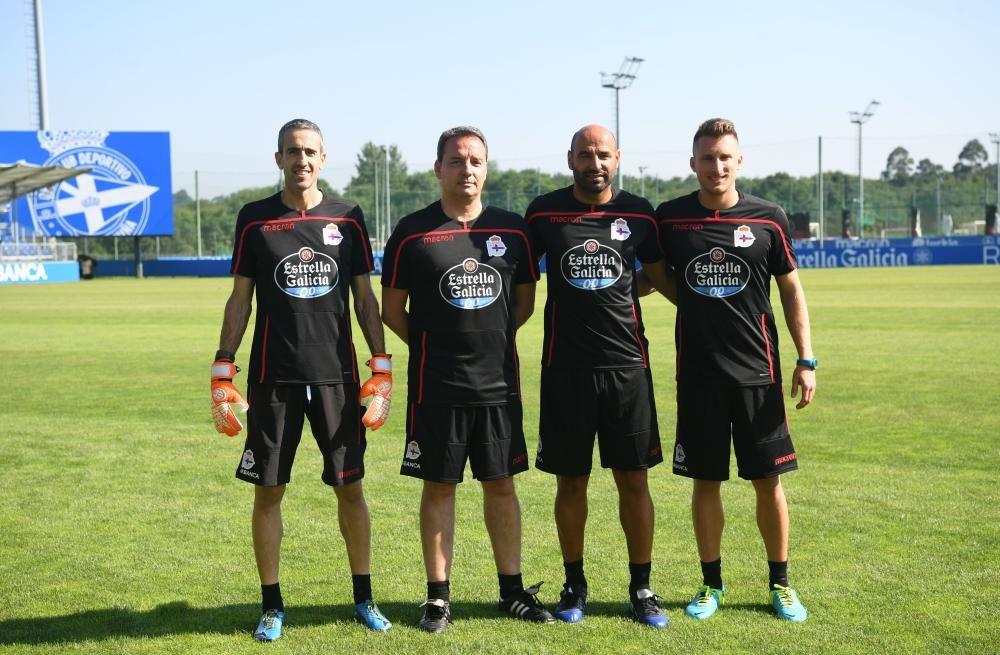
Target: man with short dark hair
{"x":305,"y":254}
{"x":724,"y":246}
{"x":468,"y":273}
{"x":595,"y":364}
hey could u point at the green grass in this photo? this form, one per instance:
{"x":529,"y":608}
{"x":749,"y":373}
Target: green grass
{"x":124,"y":530}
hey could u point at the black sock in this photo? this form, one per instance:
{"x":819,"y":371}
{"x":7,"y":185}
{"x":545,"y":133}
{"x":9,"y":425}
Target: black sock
{"x":778,"y":573}
{"x":711,"y":573}
{"x":510,"y":585}
{"x":574,"y":574}
{"x":270,"y":597}
{"x":640,"y":576}
{"x":362,"y":587}
{"x":439,"y":590}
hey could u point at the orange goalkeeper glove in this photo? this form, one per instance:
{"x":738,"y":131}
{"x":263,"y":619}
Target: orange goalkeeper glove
{"x":379,"y":389}
{"x":225,"y":396}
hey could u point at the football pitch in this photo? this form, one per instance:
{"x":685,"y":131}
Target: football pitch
{"x":125,"y":531}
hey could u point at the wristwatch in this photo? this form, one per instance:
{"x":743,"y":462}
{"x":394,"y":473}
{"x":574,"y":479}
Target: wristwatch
{"x":811,"y":364}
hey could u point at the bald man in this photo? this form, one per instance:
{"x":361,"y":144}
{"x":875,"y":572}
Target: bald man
{"x":595,"y":361}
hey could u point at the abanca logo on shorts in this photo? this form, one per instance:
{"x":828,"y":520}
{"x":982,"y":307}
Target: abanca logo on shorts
{"x":471,"y":285}
{"x":717,"y":274}
{"x":591,"y":266}
{"x":307,"y":274}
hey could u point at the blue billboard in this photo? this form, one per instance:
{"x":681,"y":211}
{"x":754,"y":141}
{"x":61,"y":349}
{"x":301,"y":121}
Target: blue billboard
{"x":916,"y":251}
{"x":126,"y":192}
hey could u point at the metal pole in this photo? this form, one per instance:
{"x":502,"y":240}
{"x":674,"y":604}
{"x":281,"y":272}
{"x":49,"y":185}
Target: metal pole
{"x":860,"y":118}
{"x":388,"y":198}
{"x":642,"y":181}
{"x":618,"y":81}
{"x":861,"y":191}
{"x":197,"y":212}
{"x":995,"y":138}
{"x":819,"y":192}
{"x":43,"y":103}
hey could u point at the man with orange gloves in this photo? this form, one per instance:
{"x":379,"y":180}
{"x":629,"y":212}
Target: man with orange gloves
{"x":305,"y":254}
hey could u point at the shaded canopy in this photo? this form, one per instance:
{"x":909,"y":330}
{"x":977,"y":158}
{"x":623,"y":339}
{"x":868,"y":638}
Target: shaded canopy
{"x":20,"y":179}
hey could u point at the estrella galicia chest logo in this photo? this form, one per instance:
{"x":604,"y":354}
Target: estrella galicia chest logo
{"x":307,"y":273}
{"x":717,"y":274}
{"x":471,"y":285}
{"x":591,"y":266}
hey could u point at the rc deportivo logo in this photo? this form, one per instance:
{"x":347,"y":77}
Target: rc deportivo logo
{"x":591,"y":266}
{"x":471,"y":285}
{"x":112,"y":199}
{"x":717,"y":274}
{"x":307,"y":274}
{"x":248,"y":461}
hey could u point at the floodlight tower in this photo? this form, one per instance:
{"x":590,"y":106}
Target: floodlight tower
{"x":860,"y":118}
{"x":617,"y":81}
{"x":995,"y":138}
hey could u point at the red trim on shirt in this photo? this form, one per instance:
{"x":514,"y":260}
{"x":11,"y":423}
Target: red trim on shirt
{"x":767,"y":342}
{"x":423,"y":362}
{"x":303,"y":217}
{"x":638,"y":339}
{"x":552,"y":329}
{"x":784,"y":239}
{"x":399,"y":251}
{"x":263,"y":350}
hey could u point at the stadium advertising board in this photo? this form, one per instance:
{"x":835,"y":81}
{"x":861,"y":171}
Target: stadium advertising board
{"x":38,"y":272}
{"x":918,"y":251}
{"x":127,"y":192}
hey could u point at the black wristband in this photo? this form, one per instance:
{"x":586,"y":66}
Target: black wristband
{"x":224,"y":356}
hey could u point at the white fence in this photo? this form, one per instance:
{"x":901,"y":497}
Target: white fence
{"x":38,"y":250}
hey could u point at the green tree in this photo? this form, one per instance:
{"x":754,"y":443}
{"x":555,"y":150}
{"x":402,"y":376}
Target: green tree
{"x":972,"y":159}
{"x":928,"y":169}
{"x":898,"y":167}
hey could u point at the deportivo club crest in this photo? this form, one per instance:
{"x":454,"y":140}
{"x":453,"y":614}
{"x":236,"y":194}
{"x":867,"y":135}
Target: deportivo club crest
{"x":495,"y":247}
{"x":743,"y":237}
{"x":332,"y":235}
{"x":619,"y":229}
{"x":110,"y":200}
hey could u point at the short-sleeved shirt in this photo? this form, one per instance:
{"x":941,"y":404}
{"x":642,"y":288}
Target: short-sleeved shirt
{"x":302,"y":263}
{"x":592,"y":315}
{"x":723,"y":261}
{"x":460,"y":279}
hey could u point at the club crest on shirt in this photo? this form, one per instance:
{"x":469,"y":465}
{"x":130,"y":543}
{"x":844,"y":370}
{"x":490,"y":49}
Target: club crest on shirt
{"x":332,"y":235}
{"x":619,"y":230}
{"x":471,"y":285}
{"x":743,"y":237}
{"x":495,"y":247}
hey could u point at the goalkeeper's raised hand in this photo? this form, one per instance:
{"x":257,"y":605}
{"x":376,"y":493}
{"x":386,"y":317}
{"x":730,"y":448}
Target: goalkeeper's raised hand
{"x":378,"y":390}
{"x":225,"y":396}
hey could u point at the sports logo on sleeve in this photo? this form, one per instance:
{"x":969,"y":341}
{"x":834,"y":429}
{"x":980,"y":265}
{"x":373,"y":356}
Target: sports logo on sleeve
{"x":591,"y":266}
{"x":743,"y":237}
{"x":471,"y":285}
{"x":619,"y":229}
{"x":495,"y":247}
{"x":307,"y":274}
{"x":717,"y":274}
{"x":332,"y":235}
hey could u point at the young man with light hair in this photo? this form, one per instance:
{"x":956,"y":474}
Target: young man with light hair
{"x":724,"y":247}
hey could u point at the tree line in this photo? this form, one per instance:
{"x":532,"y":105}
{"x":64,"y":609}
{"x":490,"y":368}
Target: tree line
{"x":961,"y":192}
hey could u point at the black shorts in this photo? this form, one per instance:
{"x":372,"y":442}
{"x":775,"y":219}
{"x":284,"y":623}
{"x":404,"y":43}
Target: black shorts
{"x":439,"y":438}
{"x":274,"y":428}
{"x":753,"y":418}
{"x":616,"y":405}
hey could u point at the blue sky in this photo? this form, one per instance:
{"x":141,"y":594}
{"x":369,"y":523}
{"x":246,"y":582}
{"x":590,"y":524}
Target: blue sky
{"x":223,"y":80}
